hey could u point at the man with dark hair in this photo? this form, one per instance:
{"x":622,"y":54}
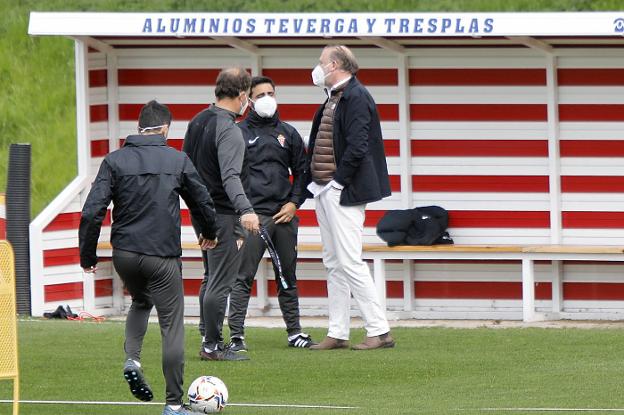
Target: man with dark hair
{"x":347,"y":170}
{"x":215,"y":144}
{"x":145,"y":179}
{"x":273,"y":147}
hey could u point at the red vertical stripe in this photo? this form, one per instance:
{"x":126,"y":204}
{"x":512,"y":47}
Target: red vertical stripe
{"x":63,"y":292}
{"x":431,"y":183}
{"x":465,"y":76}
{"x":303,"y":76}
{"x":591,"y":112}
{"x":98,"y":78}
{"x":392,"y":148}
{"x":99,"y":148}
{"x":592,"y":184}
{"x":64,"y":256}
{"x":479,"y":148}
{"x":498,"y":219}
{"x":308,"y":217}
{"x":99,"y":113}
{"x":175,"y":143}
{"x":591,"y":148}
{"x":71,"y":220}
{"x":478,"y":290}
{"x":478,"y":112}
{"x":164,"y":77}
{"x":288,"y":112}
{"x":590,"y":76}
{"x":596,"y":220}
{"x":305,"y":288}
{"x":593,"y":291}
{"x":191,"y":286}
{"x":130,"y":112}
{"x":103,"y":288}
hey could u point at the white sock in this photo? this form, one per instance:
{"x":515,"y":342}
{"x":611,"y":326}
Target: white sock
{"x":207,"y":350}
{"x":203,"y":339}
{"x":137,"y":363}
{"x":175,"y":407}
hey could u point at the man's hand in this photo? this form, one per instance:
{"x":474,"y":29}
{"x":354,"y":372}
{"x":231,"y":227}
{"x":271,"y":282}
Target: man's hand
{"x":250,"y":222}
{"x":207,"y":244}
{"x":286,"y":213}
{"x":90,"y":270}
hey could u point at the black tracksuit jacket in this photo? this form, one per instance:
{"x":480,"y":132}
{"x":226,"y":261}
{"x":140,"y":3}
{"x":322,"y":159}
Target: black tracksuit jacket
{"x":273,"y":147}
{"x":144,"y":179}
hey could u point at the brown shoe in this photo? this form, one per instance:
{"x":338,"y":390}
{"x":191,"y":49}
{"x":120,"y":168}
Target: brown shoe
{"x":329,"y":343}
{"x":376,"y":342}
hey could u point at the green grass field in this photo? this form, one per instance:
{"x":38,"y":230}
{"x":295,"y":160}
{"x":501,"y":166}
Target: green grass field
{"x":431,"y":371}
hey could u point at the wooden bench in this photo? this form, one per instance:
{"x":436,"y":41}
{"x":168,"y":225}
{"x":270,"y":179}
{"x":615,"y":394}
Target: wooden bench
{"x":526,"y":254}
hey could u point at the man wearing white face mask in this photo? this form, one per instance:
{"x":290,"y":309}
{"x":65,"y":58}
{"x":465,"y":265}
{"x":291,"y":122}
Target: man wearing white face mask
{"x":215,"y":145}
{"x":273,"y":147}
{"x":346,"y":170}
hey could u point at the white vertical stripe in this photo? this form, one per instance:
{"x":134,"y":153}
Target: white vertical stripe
{"x":404,"y":132}
{"x":113,"y":101}
{"x":554,"y":178}
{"x":82,"y":107}
{"x":256,"y":64}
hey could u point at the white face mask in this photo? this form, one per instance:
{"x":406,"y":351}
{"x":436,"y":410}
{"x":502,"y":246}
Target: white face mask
{"x":244,"y":107}
{"x":318,"y":76}
{"x":265,"y":106}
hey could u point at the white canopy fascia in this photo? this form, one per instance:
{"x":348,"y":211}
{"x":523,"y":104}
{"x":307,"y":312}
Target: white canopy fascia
{"x":288,"y":25}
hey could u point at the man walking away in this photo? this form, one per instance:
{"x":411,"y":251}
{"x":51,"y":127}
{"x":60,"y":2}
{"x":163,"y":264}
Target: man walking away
{"x":145,"y":179}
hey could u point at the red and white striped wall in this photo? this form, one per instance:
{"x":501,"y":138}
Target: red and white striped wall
{"x":2,"y":216}
{"x":520,"y":147}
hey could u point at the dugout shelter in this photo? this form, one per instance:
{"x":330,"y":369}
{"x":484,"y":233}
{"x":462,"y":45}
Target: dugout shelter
{"x":513,"y":122}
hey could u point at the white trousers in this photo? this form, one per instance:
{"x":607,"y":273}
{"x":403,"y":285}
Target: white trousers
{"x":347,"y":274}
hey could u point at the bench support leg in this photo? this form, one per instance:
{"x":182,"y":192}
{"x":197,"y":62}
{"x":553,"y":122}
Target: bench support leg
{"x":88,"y":287}
{"x":528,"y":290}
{"x":408,"y":285}
{"x":557,"y":286}
{"x":379,"y":274}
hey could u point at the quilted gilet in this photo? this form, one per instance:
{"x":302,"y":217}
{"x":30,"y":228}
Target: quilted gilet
{"x":323,"y":165}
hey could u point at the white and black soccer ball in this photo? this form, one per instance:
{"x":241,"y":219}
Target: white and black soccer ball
{"x":208,"y":395}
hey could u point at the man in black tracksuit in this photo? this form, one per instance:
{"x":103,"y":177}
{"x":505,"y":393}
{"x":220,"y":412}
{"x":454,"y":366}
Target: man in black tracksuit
{"x":215,"y":145}
{"x":273,"y":148}
{"x":145,"y":180}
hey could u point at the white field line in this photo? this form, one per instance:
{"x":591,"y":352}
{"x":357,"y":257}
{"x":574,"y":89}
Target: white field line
{"x":256,"y":405}
{"x":552,"y":409}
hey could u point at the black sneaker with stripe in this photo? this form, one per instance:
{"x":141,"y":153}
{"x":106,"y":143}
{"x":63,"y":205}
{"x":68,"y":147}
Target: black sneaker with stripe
{"x":237,"y":345}
{"x":302,"y":340}
{"x":136,"y":381}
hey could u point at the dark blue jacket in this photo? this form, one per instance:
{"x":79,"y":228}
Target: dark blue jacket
{"x":358,"y":147}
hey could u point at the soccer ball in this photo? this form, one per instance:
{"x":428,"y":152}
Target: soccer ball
{"x":208,"y":395}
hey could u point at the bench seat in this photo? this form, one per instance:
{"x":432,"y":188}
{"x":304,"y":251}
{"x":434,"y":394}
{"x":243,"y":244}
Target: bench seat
{"x":526,"y":254}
